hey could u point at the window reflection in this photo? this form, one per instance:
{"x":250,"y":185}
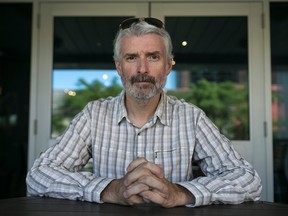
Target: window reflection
{"x":211,"y":56}
{"x":279,"y":55}
{"x":83,"y":67}
{"x":73,"y":89}
{"x":210,"y":71}
{"x":15,"y":59}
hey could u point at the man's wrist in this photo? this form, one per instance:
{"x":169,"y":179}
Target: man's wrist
{"x":108,"y":194}
{"x":187,"y":198}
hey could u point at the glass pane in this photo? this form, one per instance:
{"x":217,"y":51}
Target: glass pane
{"x":279,"y":55}
{"x":211,"y":56}
{"x":83,"y":67}
{"x":209,"y":72}
{"x":15,"y":58}
{"x":74,"y":88}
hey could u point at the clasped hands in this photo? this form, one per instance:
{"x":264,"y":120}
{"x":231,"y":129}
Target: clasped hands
{"x":145,"y":183}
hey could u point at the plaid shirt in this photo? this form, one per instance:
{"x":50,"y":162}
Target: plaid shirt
{"x":178,"y":134}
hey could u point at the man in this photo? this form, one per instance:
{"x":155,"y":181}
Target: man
{"x":143,"y":142}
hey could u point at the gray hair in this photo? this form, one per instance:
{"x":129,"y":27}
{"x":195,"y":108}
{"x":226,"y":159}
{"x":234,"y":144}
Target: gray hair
{"x":138,"y":29}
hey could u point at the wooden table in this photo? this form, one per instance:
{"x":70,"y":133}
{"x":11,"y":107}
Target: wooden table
{"x":36,"y":206}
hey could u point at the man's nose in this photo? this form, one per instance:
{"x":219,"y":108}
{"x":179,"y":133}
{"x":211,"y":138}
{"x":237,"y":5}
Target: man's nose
{"x":142,"y":65}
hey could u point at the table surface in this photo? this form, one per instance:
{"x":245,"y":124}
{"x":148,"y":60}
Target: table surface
{"x":37,"y":206}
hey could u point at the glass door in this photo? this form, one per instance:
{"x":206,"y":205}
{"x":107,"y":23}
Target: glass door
{"x":219,"y":67}
{"x":75,"y":54}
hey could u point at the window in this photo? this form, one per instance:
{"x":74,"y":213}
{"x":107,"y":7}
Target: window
{"x":279,"y":55}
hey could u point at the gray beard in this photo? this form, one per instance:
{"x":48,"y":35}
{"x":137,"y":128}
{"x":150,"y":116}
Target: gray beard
{"x":142,"y":98}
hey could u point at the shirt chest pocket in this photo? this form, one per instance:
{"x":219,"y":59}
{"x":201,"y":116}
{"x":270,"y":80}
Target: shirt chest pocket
{"x":176,"y":163}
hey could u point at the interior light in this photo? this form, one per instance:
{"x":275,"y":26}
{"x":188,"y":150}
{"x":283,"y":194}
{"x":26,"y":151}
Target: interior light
{"x":184,"y":43}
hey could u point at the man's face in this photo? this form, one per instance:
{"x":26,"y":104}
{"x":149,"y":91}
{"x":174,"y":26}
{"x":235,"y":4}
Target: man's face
{"x":144,"y":66}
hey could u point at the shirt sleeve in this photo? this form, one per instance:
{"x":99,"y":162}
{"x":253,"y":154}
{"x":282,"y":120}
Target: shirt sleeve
{"x":57,"y":172}
{"x":228,"y":179}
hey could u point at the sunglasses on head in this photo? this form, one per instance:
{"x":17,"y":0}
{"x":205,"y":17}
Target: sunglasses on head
{"x":152,"y":21}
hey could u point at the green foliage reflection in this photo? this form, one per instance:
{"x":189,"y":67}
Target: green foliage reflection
{"x":70,"y":106}
{"x":226,"y":104}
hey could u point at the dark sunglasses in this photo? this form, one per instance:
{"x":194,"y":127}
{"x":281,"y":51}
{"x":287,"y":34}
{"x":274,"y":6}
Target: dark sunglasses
{"x":152,"y":21}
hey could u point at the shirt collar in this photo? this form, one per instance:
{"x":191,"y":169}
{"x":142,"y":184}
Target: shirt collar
{"x":121,"y":109}
{"x":162,"y":111}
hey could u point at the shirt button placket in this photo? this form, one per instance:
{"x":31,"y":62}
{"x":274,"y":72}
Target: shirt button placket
{"x":140,"y":152}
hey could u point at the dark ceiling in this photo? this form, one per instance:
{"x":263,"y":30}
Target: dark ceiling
{"x":86,"y":40}
{"x":209,"y":39}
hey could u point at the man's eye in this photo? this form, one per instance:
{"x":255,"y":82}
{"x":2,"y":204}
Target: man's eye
{"x":154,"y":57}
{"x":130,"y":58}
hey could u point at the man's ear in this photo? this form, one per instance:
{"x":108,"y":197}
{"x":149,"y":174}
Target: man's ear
{"x":169,"y":66}
{"x":118,"y":68}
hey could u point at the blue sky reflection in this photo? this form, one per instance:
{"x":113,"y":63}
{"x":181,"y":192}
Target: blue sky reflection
{"x":68,"y":79}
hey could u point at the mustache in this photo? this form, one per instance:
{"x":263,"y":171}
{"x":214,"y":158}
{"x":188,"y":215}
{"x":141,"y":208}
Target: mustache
{"x":142,"y":78}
